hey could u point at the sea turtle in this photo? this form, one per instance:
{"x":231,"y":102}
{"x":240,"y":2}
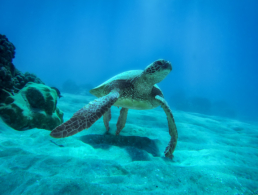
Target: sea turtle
{"x":134,"y":89}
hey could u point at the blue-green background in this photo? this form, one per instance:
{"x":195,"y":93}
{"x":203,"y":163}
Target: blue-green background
{"x":213,"y":45}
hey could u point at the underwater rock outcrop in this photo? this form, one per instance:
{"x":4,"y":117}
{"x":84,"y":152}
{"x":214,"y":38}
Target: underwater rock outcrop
{"x":181,"y":101}
{"x":70,"y":86}
{"x":11,"y":79}
{"x":25,"y":101}
{"x":34,"y":106}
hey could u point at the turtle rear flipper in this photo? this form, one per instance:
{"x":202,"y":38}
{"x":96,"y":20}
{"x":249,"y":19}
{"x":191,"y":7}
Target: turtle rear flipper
{"x":171,"y":125}
{"x":107,"y":118}
{"x":86,"y":116}
{"x":121,"y":120}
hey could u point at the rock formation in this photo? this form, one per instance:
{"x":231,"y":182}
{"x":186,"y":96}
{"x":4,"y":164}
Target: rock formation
{"x":25,"y":101}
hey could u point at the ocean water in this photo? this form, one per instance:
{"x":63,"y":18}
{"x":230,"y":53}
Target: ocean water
{"x":212,"y":91}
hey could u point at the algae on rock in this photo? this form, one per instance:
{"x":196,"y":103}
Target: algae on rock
{"x":34,"y":106}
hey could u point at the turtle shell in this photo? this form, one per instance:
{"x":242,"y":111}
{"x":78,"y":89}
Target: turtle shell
{"x":128,"y":98}
{"x":121,"y":81}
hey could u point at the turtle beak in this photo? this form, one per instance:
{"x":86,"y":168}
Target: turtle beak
{"x":167,"y":65}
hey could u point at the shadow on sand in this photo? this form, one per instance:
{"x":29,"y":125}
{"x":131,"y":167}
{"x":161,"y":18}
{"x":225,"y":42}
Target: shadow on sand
{"x":137,"y":147}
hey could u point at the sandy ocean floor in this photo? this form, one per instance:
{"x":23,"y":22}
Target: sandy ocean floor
{"x":214,"y":156}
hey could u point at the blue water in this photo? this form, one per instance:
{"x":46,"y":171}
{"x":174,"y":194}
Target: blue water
{"x":213,"y":45}
{"x":213,"y":48}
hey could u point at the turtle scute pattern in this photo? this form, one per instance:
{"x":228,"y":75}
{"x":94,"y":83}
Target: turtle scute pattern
{"x":86,"y":116}
{"x":155,"y":67}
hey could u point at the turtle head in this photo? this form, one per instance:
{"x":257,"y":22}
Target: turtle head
{"x":157,"y":71}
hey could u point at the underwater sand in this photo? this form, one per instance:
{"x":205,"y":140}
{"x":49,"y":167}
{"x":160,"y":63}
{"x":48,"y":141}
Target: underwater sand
{"x":214,"y":155}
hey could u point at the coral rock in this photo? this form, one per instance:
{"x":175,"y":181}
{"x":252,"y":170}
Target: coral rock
{"x":11,"y":79}
{"x":34,"y":106}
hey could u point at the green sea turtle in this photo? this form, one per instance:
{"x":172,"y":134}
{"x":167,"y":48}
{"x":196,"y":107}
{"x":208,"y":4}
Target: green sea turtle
{"x":135,"y":89}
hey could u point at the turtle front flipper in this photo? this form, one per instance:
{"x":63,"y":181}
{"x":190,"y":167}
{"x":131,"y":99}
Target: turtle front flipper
{"x":171,"y":125}
{"x":86,"y":116}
